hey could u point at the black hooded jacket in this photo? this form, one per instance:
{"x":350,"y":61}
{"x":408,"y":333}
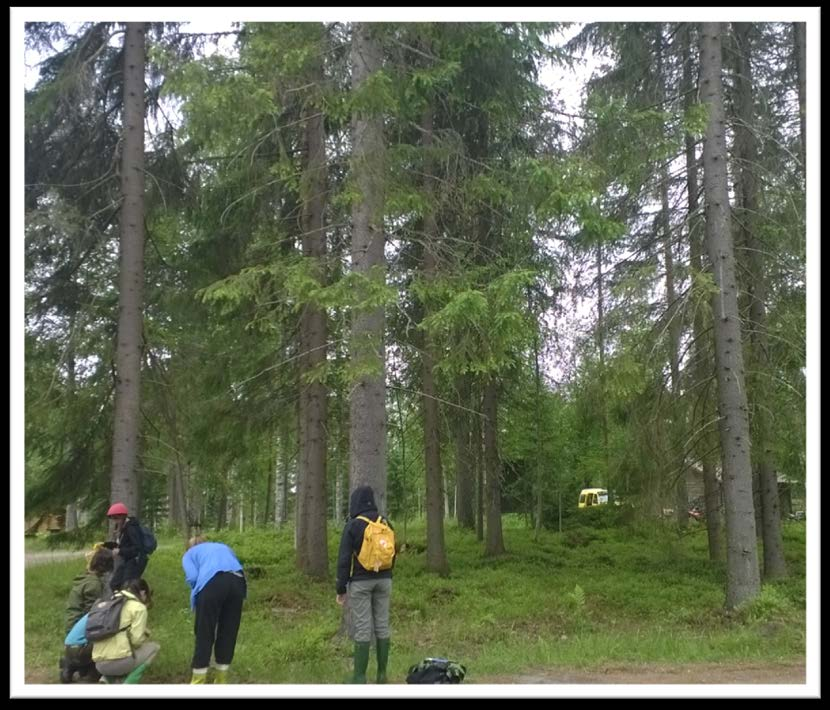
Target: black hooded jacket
{"x":361,"y":502}
{"x":129,"y":540}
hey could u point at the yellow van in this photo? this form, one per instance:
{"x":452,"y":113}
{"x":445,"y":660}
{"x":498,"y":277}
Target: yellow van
{"x":589,"y":497}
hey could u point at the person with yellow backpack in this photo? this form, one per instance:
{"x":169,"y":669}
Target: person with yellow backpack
{"x":364,"y":578}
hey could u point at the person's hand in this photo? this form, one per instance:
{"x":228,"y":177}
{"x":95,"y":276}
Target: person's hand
{"x":341,"y":599}
{"x":115,"y":551}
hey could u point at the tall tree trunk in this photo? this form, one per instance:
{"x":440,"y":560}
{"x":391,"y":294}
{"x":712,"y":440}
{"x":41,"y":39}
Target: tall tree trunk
{"x":367,"y":441}
{"x":178,"y":516}
{"x":700,"y":358}
{"x":447,"y":506}
{"x":800,"y":51}
{"x":172,"y":494}
{"x":312,"y":548}
{"x":539,"y":468}
{"x":677,"y":454}
{"x":269,"y":492}
{"x":436,"y":552}
{"x":746,"y":149}
{"x":71,"y":519}
{"x":281,"y":496}
{"x":126,"y":430}
{"x":743,"y":580}
{"x":222,"y":513}
{"x":601,"y":349}
{"x":402,"y":443}
{"x":478,"y":462}
{"x":341,"y":484}
{"x":182,"y":514}
{"x":464,"y":474}
{"x":495,"y":540}
{"x":341,"y":416}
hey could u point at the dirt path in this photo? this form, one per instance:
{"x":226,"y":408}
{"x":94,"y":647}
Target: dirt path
{"x":748,"y":673}
{"x":646,"y":674}
{"x":42,"y":558}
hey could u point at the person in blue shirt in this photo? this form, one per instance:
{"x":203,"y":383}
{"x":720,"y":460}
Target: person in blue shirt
{"x":218,"y":588}
{"x":78,"y":654}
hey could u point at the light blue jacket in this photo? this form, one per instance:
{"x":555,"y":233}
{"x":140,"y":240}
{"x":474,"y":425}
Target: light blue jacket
{"x":77,"y":634}
{"x":203,"y":562}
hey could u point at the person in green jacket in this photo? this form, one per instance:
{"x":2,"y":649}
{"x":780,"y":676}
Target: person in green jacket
{"x":86,"y":588}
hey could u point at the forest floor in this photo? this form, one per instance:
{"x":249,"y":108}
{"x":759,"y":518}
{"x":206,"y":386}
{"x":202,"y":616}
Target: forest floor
{"x":648,"y":610}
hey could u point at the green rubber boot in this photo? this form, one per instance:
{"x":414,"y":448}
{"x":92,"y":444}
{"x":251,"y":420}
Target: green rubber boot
{"x":361,"y":661}
{"x":135,"y":675}
{"x":220,"y":676}
{"x":383,"y":659}
{"x":198,"y":678}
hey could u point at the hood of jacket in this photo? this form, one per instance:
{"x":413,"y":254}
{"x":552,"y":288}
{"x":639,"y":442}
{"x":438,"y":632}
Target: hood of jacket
{"x":362,"y":501}
{"x":84,"y":576}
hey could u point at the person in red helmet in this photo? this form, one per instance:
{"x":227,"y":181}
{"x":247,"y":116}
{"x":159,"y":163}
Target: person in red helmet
{"x":127,"y":546}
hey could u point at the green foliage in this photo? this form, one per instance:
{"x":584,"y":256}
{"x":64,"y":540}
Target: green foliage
{"x":772,"y":604}
{"x":427,"y":81}
{"x":576,"y":600}
{"x":695,"y":119}
{"x":483,"y":329}
{"x":375,"y":96}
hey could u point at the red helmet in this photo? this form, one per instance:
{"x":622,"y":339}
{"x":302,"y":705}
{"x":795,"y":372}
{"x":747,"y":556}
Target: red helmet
{"x":117,"y":509}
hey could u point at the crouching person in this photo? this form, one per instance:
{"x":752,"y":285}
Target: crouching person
{"x":127,"y":653}
{"x":77,"y":655}
{"x":86,"y":588}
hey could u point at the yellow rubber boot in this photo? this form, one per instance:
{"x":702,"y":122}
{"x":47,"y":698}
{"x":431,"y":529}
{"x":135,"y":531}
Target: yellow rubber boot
{"x":199,"y":676}
{"x":220,"y":676}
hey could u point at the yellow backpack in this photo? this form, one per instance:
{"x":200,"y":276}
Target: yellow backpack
{"x":378,"y":548}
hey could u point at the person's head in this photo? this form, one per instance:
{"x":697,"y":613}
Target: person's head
{"x":118,"y":513}
{"x":101,"y":561}
{"x":195,"y":540}
{"x":139,"y":589}
{"x":361,"y":500}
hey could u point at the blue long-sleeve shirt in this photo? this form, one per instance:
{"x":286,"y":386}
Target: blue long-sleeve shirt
{"x":77,"y":634}
{"x":203,"y":562}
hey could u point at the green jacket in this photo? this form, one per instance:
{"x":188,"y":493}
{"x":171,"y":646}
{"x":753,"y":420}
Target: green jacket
{"x":86,"y":588}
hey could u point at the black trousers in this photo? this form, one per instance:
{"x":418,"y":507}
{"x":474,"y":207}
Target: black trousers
{"x":218,"y":614}
{"x":78,"y":659}
{"x":126,"y":570}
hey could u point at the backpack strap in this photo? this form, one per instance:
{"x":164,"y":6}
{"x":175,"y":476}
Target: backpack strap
{"x":363,"y":517}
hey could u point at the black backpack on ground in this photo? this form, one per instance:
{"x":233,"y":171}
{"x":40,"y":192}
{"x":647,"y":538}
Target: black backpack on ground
{"x":436,"y":670}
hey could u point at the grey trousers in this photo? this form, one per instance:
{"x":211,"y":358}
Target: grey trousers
{"x":369,"y":606}
{"x":123,"y":666}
